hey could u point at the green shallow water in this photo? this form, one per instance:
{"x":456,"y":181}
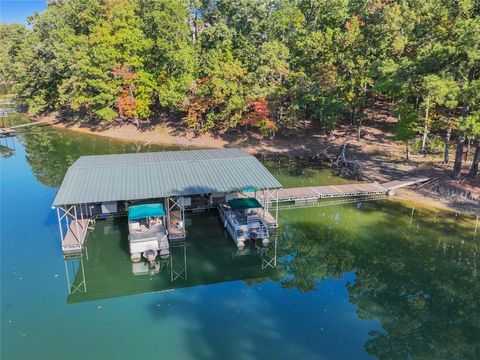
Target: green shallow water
{"x":373,"y":280}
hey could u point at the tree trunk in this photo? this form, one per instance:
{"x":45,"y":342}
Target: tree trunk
{"x":425,"y":131}
{"x":407,"y":150}
{"x":457,"y":167}
{"x":476,"y":157}
{"x":446,"y":157}
{"x":469,"y":143}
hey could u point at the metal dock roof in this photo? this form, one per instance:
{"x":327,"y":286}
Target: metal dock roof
{"x":102,"y":178}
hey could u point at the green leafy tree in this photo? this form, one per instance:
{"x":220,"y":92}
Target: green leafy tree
{"x":407,"y":127}
{"x":219,"y":98}
{"x":12,"y":38}
{"x":470,"y":126}
{"x":171,"y":60}
{"x":438,"y":91}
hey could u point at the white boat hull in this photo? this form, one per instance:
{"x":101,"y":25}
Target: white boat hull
{"x":157,"y":243}
{"x":239,"y":233}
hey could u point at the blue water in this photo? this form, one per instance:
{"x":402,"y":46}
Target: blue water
{"x":347,"y":286}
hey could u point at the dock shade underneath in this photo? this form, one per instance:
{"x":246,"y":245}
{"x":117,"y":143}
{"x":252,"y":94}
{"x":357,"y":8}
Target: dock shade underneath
{"x":142,"y":211}
{"x":244,"y":203}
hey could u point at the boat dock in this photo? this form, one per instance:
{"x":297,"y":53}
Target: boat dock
{"x":12,"y":130}
{"x":314,"y":193}
{"x":75,"y":236}
{"x":104,"y":186}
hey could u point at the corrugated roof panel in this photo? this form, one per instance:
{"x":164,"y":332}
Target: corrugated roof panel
{"x":117,"y":177}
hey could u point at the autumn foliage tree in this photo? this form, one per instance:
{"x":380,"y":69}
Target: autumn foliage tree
{"x":218,"y":100}
{"x":126,"y":103}
{"x":259,"y":116}
{"x":219,"y":64}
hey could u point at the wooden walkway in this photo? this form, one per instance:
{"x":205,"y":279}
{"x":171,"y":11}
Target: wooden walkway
{"x":176,"y":230}
{"x":12,"y":130}
{"x":75,"y":237}
{"x":290,"y":206}
{"x":7,"y":132}
{"x":314,"y":193}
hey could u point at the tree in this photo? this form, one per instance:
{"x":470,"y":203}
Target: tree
{"x":259,"y":115}
{"x":314,"y":62}
{"x":437,"y":91}
{"x":466,"y":64}
{"x":172,"y":59}
{"x":13,"y":39}
{"x":219,"y":98}
{"x":470,"y":126}
{"x":407,"y":127}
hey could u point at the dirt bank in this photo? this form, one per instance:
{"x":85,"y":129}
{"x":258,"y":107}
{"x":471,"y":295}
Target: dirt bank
{"x":381,"y":157}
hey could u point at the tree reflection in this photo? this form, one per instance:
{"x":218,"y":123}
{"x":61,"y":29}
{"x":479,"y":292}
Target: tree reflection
{"x":418,"y":278}
{"x":49,"y":153}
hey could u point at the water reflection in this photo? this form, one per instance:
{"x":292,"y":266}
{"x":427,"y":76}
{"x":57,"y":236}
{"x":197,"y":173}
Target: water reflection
{"x":416,"y":272}
{"x":50,"y":152}
{"x":209,"y":256}
{"x":7,"y":147}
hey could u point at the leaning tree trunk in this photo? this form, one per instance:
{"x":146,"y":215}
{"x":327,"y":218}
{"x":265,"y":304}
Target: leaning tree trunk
{"x":476,"y":157}
{"x":425,"y":131}
{"x":457,"y":167}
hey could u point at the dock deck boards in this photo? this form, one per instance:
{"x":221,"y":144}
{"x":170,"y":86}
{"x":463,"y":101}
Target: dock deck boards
{"x":268,"y":219}
{"x":304,"y":194}
{"x":76,"y":235}
{"x":174,"y":231}
{"x":12,"y":130}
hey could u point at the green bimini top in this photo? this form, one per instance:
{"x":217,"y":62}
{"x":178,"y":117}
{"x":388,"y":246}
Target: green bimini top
{"x":244,"y":203}
{"x":142,"y":211}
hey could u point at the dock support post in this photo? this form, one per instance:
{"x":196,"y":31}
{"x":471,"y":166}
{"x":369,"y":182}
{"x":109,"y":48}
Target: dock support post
{"x":276,"y":209}
{"x":76,"y":223}
{"x":275,"y":252}
{"x":76,"y":267}
{"x":60,"y":224}
{"x":174,"y":205}
{"x":181,"y":273}
{"x":266,"y":201}
{"x":68,"y":278}
{"x":268,"y":261}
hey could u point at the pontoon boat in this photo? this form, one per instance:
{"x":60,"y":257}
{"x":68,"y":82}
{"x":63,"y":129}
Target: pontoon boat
{"x":148,"y":235}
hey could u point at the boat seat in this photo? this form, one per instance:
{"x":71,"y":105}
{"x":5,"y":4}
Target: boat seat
{"x":135,"y":226}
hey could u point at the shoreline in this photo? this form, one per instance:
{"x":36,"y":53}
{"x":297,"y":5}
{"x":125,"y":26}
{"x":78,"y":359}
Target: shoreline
{"x":165,"y":135}
{"x":421,"y":200}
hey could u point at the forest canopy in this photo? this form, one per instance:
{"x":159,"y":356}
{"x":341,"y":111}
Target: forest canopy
{"x":220,"y":64}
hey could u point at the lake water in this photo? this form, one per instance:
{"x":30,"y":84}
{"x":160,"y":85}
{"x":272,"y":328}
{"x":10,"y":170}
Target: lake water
{"x":378,"y":279}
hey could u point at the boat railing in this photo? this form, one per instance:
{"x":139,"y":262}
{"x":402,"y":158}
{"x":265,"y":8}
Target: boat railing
{"x":264,"y":231}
